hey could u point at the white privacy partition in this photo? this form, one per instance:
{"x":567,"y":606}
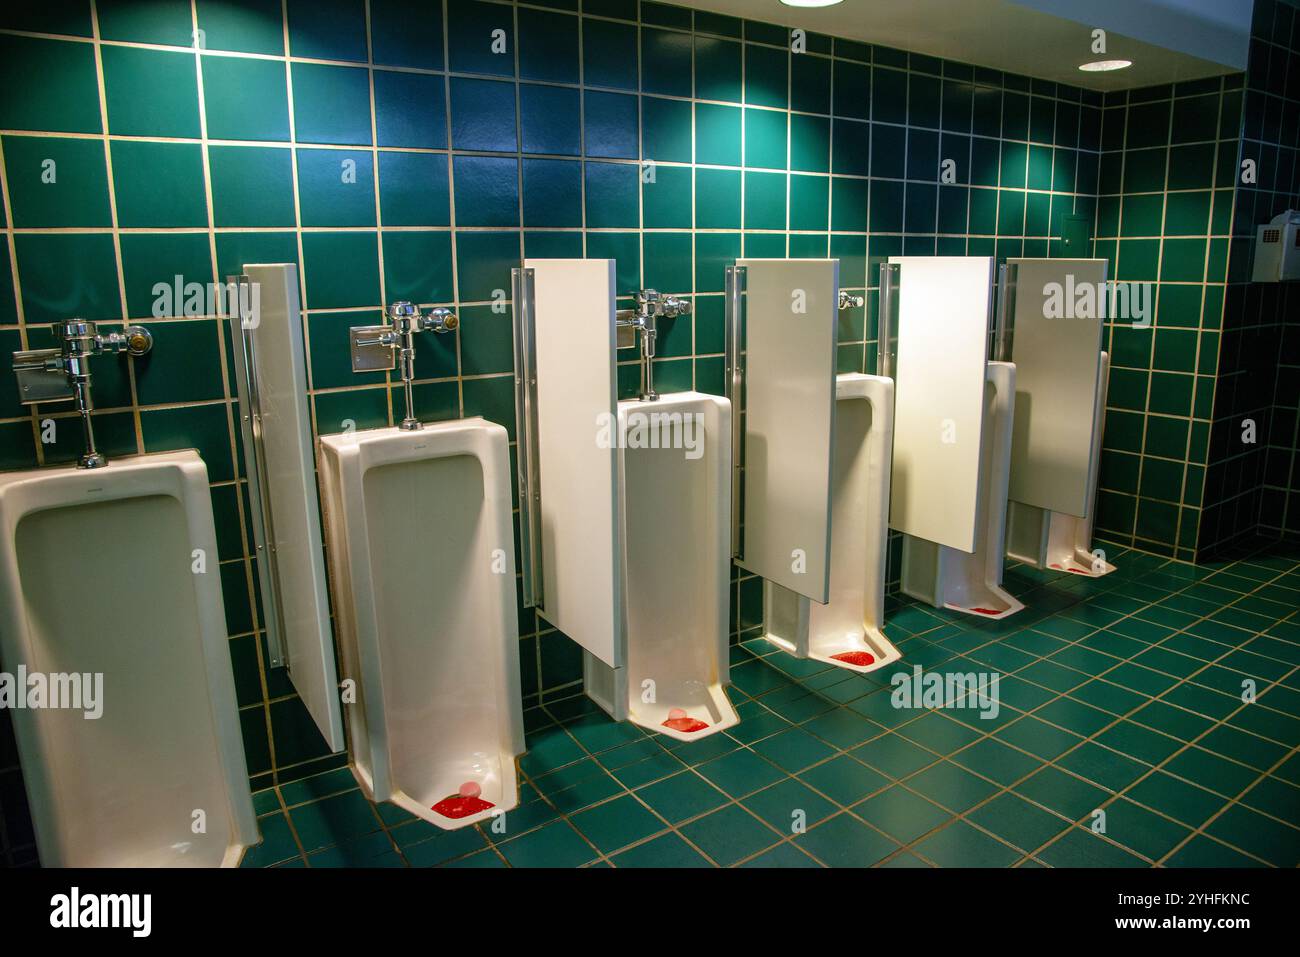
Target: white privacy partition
{"x":1057,"y":351}
{"x":790,"y":309}
{"x":577,"y":392}
{"x":279,"y":459}
{"x":943,"y":313}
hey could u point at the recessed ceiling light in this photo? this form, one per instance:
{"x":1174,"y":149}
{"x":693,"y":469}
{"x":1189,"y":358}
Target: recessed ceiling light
{"x":811,"y":3}
{"x":1104,"y":66}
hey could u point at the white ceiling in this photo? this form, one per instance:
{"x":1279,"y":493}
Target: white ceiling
{"x":1167,"y":40}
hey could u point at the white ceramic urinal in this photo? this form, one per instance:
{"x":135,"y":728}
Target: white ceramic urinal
{"x":625,"y":507}
{"x":1060,"y":410}
{"x":110,"y":590}
{"x":964,"y":581}
{"x":847,"y":631}
{"x":421,"y":559}
{"x":675,"y":569}
{"x":1046,"y":538}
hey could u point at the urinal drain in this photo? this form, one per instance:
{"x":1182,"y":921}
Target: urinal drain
{"x":679,"y":720}
{"x":859,"y":659}
{"x":463,"y":803}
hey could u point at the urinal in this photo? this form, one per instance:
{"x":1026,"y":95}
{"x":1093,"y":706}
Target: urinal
{"x":108,"y":574}
{"x":625,"y":507}
{"x":421,"y":559}
{"x":675,"y":573}
{"x":1046,"y":538}
{"x":953,"y":417}
{"x":847,"y":631}
{"x":953,"y":578}
{"x":811,"y":463}
{"x":1059,"y":307}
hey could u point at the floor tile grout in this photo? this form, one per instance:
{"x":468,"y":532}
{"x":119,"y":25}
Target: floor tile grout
{"x":566,"y":715}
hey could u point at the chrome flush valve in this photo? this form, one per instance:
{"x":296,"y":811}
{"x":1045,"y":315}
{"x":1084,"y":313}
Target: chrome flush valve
{"x":374,"y":347}
{"x":850,"y":301}
{"x":650,"y":306}
{"x":63,"y":373}
{"x":405,"y":318}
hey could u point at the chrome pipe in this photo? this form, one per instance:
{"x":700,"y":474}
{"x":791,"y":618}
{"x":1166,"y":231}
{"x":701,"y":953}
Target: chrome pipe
{"x":648,"y":335}
{"x":403,"y":317}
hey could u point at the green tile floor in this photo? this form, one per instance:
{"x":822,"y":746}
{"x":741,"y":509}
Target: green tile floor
{"x":1121,"y":695}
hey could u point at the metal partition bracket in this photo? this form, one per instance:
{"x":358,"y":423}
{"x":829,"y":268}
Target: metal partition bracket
{"x":530,"y":476}
{"x":250,"y":406}
{"x":734,"y":334}
{"x":1003,"y":324}
{"x":887,"y":324}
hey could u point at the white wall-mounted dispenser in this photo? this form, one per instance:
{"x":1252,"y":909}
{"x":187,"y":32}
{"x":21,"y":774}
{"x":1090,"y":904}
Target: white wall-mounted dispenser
{"x":1277,"y":249}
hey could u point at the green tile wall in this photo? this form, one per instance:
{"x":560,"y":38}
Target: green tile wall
{"x":176,"y":160}
{"x":1164,"y":216}
{"x":1252,"y":487}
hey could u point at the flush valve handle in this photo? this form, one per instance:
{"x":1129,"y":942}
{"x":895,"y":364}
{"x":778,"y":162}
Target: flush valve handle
{"x":139,"y":340}
{"x":439,"y":319}
{"x":673,"y":306}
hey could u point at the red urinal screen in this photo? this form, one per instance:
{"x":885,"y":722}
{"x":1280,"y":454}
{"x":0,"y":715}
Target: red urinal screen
{"x":859,"y":659}
{"x":686,"y":725}
{"x":456,"y":807}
